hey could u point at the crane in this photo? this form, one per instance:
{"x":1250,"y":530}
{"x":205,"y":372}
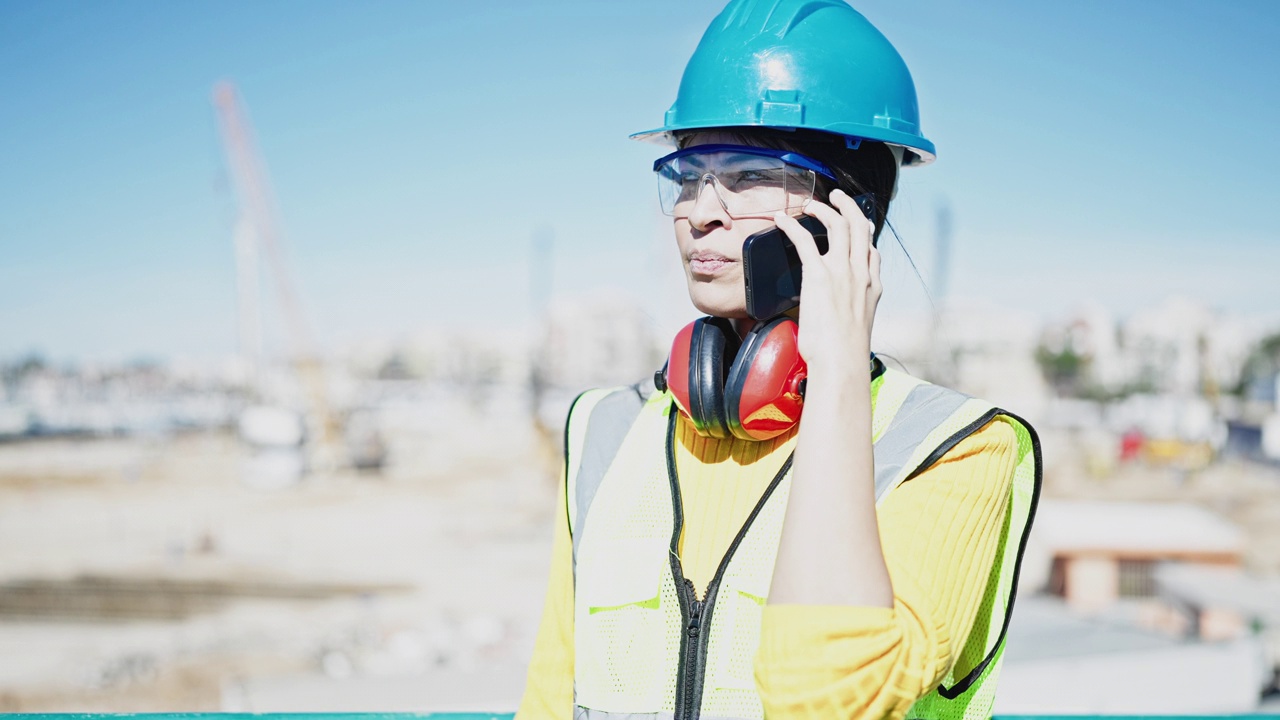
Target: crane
{"x":257,"y":230}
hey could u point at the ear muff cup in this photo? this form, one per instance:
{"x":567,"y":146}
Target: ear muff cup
{"x":713,"y":345}
{"x":762,"y":392}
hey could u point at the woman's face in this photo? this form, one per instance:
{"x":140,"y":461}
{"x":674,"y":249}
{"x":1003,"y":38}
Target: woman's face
{"x":710,"y":245}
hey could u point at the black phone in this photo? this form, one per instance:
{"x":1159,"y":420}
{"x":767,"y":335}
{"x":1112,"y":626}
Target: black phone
{"x":771,"y":265}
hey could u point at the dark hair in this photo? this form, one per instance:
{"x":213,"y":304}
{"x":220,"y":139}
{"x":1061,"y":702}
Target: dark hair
{"x":871,"y":168}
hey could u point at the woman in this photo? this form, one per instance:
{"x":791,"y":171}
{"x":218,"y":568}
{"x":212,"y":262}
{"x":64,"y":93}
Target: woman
{"x":721,"y":557}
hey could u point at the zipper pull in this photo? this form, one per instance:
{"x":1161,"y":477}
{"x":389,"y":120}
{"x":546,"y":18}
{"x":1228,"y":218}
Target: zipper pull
{"x":695,"y":608}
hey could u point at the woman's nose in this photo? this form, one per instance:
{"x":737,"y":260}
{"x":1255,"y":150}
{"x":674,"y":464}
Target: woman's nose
{"x":708,"y":208}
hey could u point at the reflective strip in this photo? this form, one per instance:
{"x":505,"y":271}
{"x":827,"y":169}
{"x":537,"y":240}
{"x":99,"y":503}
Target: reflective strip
{"x":582,"y":713}
{"x":926,"y":407}
{"x":887,"y":393}
{"x":607,"y":426}
{"x":574,"y":431}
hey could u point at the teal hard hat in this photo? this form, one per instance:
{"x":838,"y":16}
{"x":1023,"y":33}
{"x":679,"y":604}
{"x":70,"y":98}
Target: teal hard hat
{"x":816,"y":64}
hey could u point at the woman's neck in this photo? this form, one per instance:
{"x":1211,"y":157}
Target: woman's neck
{"x":744,"y":325}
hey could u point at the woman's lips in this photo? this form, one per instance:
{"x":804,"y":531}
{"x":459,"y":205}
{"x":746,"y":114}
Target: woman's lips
{"x":708,"y":263}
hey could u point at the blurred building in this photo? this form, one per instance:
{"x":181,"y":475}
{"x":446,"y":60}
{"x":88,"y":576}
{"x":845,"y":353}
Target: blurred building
{"x":1165,"y":345}
{"x":600,"y":340}
{"x":979,"y":347}
{"x":1177,"y":346}
{"x":1100,"y":552}
{"x":143,"y":398}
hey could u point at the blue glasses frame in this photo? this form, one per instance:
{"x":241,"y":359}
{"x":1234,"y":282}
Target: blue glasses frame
{"x":785,"y":156}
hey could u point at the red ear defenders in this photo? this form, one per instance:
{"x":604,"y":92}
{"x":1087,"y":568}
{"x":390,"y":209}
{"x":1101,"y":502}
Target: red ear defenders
{"x":751,"y":389}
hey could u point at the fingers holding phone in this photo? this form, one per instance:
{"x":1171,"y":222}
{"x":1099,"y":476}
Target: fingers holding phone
{"x":837,"y":225}
{"x":802,"y":237}
{"x":841,"y":289}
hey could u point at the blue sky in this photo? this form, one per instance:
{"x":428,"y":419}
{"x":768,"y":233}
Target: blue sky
{"x":1121,"y":151}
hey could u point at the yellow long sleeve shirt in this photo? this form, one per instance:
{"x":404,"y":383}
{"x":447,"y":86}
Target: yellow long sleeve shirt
{"x":939,"y":533}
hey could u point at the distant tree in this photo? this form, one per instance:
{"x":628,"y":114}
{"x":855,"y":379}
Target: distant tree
{"x":1063,"y":368}
{"x":1261,"y":367}
{"x":396,"y":367}
{"x":19,"y":369}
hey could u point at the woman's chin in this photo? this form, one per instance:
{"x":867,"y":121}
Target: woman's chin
{"x":722,"y":304}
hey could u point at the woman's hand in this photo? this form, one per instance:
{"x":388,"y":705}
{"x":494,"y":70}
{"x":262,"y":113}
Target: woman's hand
{"x":841,"y":289}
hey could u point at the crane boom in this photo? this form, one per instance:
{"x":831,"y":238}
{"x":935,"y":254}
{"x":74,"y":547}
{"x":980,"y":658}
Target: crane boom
{"x":257,"y":207}
{"x":257,"y":229}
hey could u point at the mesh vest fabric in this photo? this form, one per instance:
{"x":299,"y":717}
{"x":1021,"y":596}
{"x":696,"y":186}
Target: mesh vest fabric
{"x":627,"y":613}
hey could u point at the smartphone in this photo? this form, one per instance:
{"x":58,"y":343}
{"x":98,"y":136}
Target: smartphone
{"x":771,"y":265}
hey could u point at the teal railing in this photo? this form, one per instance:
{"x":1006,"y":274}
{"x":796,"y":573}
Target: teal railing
{"x":508,"y":716}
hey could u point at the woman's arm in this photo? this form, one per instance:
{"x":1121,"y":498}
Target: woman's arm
{"x":830,"y":550}
{"x":548,"y":690}
{"x":940,"y":531}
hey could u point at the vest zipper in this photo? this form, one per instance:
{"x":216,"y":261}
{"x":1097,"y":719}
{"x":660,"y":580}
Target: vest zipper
{"x":692,"y":641}
{"x":688,"y":690}
{"x":695,"y":641}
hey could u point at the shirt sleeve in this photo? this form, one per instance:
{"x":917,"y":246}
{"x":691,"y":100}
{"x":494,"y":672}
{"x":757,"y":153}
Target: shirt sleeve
{"x":548,"y":690}
{"x":939,"y":532}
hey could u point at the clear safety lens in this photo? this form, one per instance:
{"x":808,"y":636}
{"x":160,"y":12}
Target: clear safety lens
{"x":746,"y":185}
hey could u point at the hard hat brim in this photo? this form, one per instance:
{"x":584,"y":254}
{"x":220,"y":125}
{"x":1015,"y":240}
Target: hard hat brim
{"x":919,"y":151}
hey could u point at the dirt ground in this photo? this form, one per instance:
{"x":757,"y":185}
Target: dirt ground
{"x":145,"y":575}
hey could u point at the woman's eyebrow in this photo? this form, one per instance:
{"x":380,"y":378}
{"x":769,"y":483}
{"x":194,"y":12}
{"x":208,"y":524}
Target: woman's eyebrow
{"x":696,"y":161}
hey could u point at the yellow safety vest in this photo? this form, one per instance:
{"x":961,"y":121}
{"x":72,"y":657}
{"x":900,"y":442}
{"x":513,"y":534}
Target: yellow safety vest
{"x":646,"y":647}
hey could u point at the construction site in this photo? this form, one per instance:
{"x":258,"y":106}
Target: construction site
{"x":194,"y":570}
{"x":294,"y":528}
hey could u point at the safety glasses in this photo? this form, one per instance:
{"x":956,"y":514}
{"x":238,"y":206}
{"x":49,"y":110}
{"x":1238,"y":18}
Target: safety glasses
{"x":748,"y":181}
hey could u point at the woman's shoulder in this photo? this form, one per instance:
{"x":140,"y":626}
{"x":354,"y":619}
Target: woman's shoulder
{"x":971,"y":442}
{"x":641,"y":391}
{"x":907,"y":391}
{"x":616,"y":404}
{"x":998,"y":435}
{"x":976,"y":471}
